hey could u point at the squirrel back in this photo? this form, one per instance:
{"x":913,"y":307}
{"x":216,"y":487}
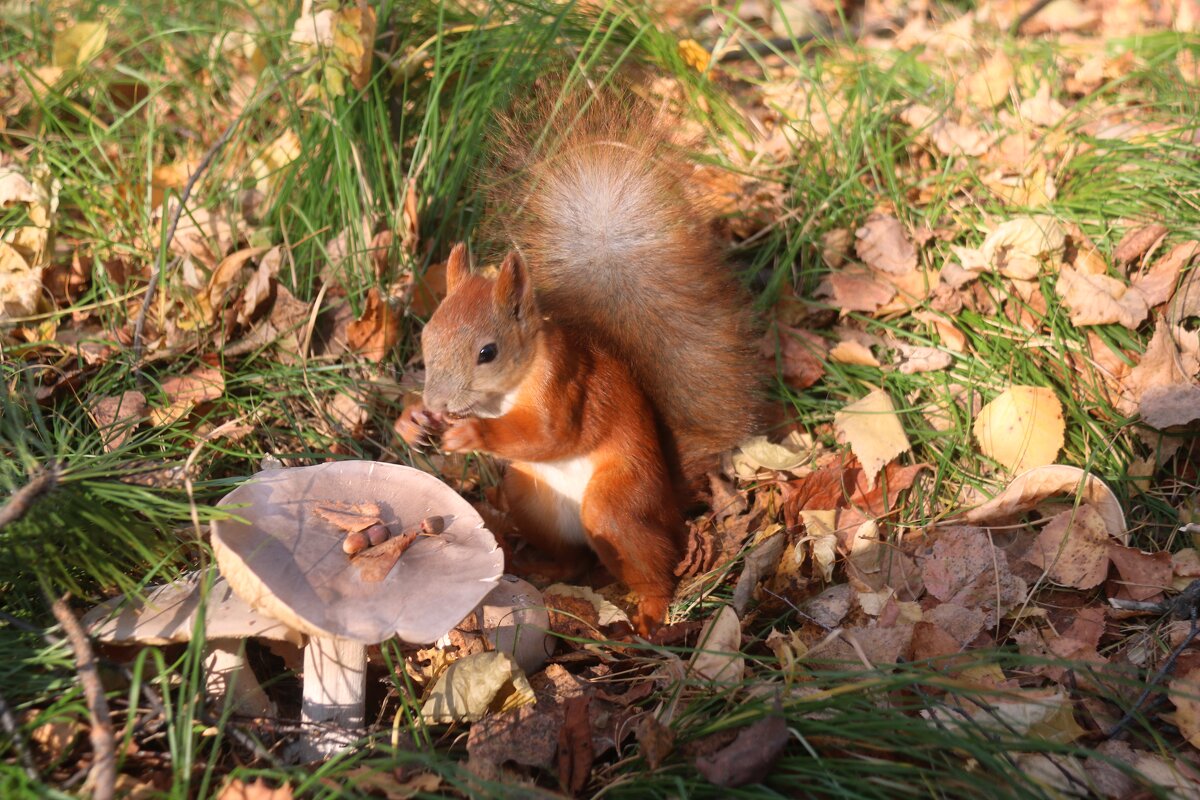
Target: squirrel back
{"x":603,"y":210}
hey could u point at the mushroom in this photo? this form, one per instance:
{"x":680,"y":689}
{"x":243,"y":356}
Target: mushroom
{"x":514,"y":620}
{"x":287,"y":561}
{"x":167,"y":615}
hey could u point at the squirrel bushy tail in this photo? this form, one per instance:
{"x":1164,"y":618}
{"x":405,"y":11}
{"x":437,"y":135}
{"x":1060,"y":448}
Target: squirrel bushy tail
{"x":593,"y":193}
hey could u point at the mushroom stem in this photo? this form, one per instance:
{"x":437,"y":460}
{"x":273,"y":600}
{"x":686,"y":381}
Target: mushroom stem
{"x":335,"y":682}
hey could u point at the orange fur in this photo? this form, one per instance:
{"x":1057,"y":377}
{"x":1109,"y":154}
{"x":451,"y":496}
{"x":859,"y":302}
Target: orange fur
{"x":611,"y":369}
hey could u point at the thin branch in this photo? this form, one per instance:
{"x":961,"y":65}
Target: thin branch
{"x":9,"y":723}
{"x":1029,"y":14}
{"x":1187,"y":607}
{"x":103,"y":773}
{"x":20,"y":501}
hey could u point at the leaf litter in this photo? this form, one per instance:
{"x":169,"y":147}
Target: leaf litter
{"x":815,"y":518}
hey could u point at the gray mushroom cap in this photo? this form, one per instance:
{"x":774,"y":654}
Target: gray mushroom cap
{"x":285,"y":559}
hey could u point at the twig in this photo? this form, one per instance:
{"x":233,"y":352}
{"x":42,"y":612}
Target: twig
{"x":23,"y":498}
{"x":1029,"y":14}
{"x":9,"y":723}
{"x":103,"y":773}
{"x":1187,"y":606}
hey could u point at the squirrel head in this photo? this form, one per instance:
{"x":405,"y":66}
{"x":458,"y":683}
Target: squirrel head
{"x":480,"y":341}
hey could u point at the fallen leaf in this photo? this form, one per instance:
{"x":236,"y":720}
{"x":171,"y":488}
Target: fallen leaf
{"x":1157,"y":284}
{"x":748,"y":758}
{"x":857,"y":292}
{"x":1017,"y":248}
{"x":1185,"y":694}
{"x":527,"y":735}
{"x":873,"y":430}
{"x":988,"y":86}
{"x":1042,"y":109}
{"x":964,"y":568}
{"x":117,"y":416}
{"x":20,"y":285}
{"x":655,"y":741}
{"x":848,"y":352}
{"x":377,"y":331}
{"x":1073,"y":548}
{"x":350,"y":517}
{"x":472,"y":686}
{"x":1144,"y":576}
{"x":1167,"y":406}
{"x":758,"y":565}
{"x":883,"y":245}
{"x":1137,"y":242}
{"x":1164,"y":364}
{"x":799,"y":354}
{"x":185,"y":392}
{"x":221,"y":280}
{"x":1100,"y":300}
{"x":79,"y":44}
{"x":606,"y":613}
{"x":575,"y":751}
{"x":1022,"y":428}
{"x":913,"y":358}
{"x":759,"y":452}
{"x":950,"y":138}
{"x":237,"y":789}
{"x":1029,"y":489}
{"x":718,"y":657}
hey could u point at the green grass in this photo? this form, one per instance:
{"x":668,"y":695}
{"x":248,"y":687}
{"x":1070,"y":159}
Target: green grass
{"x":161,"y":94}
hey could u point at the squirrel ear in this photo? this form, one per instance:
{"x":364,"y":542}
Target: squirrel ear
{"x":458,"y":267}
{"x":514,"y":290}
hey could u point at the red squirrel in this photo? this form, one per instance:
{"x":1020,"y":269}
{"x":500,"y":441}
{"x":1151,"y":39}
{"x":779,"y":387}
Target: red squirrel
{"x":610,"y":359}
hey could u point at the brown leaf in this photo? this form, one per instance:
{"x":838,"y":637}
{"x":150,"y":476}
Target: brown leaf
{"x":1163,"y":364}
{"x":1157,"y":284}
{"x":1100,"y":300}
{"x":872,"y":428}
{"x":349,"y":517}
{"x":799,"y":353}
{"x":376,"y":332}
{"x":1031,"y":488}
{"x":1185,"y":694}
{"x":750,"y":757}
{"x":655,"y":741}
{"x":1168,"y":406}
{"x":117,"y":417}
{"x":575,"y":750}
{"x":1144,"y":576}
{"x":1137,"y":242}
{"x":1072,"y":548}
{"x":967,"y":570}
{"x":851,"y":292}
{"x":883,"y":245}
{"x":237,"y":789}
{"x":527,"y":735}
{"x":185,"y":392}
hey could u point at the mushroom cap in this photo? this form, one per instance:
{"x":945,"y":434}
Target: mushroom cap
{"x":516,"y":621}
{"x":283,"y":558}
{"x":168,"y":614}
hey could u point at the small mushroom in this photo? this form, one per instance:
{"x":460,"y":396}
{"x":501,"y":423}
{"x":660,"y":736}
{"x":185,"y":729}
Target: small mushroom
{"x":286,"y":560}
{"x":167,"y":614}
{"x":515,"y":621}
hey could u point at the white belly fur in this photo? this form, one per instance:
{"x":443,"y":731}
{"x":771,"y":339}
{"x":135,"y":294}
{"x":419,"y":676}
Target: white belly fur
{"x":568,"y":479}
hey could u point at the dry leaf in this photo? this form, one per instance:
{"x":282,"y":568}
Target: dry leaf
{"x":856,"y":292}
{"x":759,"y":452}
{"x":1073,"y":548}
{"x":873,"y":431}
{"x":988,"y":86}
{"x":376,"y":332}
{"x":79,"y":44}
{"x":1157,"y":284}
{"x":1100,"y":300}
{"x":748,"y":758}
{"x":1164,"y":366}
{"x":718,"y":657}
{"x":606,"y":613}
{"x":1029,"y":489}
{"x":473,"y":685}
{"x":1137,"y":242}
{"x":1017,"y":248}
{"x":1042,"y":109}
{"x":912,"y":359}
{"x":185,"y":392}
{"x":116,"y":417}
{"x":1144,"y":576}
{"x":883,"y":245}
{"x":849,"y":352}
{"x":1185,"y":694}
{"x":799,"y":353}
{"x":237,"y":789}
{"x":948,"y":137}
{"x":1022,"y":428}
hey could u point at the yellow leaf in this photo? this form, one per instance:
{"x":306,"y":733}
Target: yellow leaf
{"x":873,"y":430}
{"x":79,"y":44}
{"x":472,"y":685}
{"x":1022,"y":428}
{"x":694,"y":54}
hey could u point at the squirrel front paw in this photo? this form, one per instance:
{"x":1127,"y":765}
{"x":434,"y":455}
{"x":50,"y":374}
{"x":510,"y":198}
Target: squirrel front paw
{"x":463,"y":436}
{"x":419,"y":427}
{"x":651,"y":613}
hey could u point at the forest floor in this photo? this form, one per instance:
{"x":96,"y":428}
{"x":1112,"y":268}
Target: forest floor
{"x":959,"y":563}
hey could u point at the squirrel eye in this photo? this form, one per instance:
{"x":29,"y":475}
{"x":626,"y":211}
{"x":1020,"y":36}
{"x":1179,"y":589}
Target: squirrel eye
{"x":487,"y":353}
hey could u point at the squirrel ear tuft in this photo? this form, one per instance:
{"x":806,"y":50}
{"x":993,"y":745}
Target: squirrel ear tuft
{"x":458,"y":267}
{"x":514,"y":290}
